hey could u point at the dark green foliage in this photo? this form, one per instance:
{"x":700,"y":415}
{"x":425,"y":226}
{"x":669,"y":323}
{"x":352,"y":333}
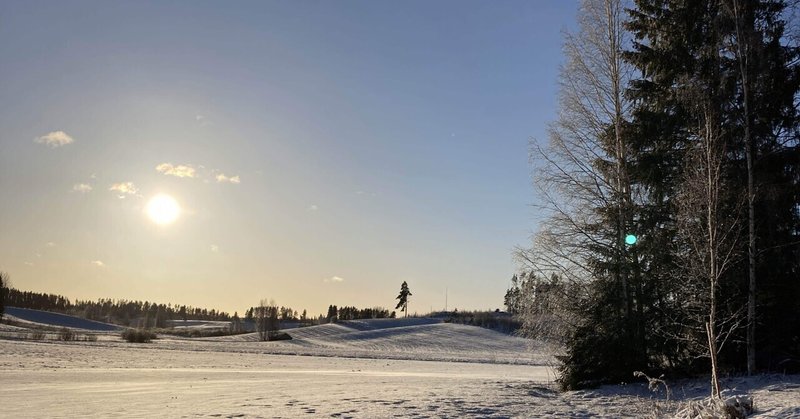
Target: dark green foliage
{"x":678,"y":58}
{"x":600,"y":348}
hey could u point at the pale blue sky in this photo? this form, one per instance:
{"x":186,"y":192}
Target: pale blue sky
{"x":374,"y":141}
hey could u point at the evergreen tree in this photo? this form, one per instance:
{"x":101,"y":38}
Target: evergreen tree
{"x":732,"y":54}
{"x":333,"y":313}
{"x":403,"y":297}
{"x":512,"y":297}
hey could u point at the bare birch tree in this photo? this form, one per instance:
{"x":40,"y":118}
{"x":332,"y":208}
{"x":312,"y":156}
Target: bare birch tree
{"x":266,"y":319}
{"x":710,"y":234}
{"x":584,"y":167}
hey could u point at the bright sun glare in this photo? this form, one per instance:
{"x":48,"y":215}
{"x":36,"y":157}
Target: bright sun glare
{"x":163,"y":209}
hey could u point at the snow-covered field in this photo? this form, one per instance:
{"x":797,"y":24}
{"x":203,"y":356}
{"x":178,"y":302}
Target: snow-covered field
{"x":374,"y":369}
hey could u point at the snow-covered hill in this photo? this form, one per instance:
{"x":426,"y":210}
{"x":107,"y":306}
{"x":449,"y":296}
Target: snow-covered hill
{"x":46,"y":318}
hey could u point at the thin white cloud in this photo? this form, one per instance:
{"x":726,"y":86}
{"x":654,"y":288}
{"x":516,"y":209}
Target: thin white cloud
{"x":214,"y":248}
{"x":180,"y":170}
{"x":222,"y":178}
{"x":335,"y":279}
{"x":202,"y":120}
{"x":82,"y":187}
{"x":54,"y":139}
{"x":50,"y":244}
{"x":29,"y":264}
{"x":124,"y":189}
{"x":312,"y":207}
{"x":98,"y":263}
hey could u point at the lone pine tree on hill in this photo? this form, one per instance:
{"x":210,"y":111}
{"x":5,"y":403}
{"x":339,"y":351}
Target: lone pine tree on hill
{"x":403,"y":297}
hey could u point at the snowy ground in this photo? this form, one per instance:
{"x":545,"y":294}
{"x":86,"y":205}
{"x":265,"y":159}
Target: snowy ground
{"x":358,"y":369}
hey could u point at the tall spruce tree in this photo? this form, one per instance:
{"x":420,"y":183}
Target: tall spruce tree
{"x":402,"y":298}
{"x":729,"y":53}
{"x":766,"y":165}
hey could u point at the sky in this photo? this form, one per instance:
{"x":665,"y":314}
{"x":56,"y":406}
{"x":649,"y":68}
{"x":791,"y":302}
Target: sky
{"x":320,"y":152}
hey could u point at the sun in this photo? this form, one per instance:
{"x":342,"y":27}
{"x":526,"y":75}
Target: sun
{"x":163,"y":209}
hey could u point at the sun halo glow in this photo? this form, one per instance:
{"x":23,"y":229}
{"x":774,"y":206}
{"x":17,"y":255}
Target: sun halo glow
{"x":163,"y":209}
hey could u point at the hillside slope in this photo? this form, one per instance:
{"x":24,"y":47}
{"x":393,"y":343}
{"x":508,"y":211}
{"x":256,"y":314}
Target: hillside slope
{"x":421,"y":339}
{"x":46,"y":318}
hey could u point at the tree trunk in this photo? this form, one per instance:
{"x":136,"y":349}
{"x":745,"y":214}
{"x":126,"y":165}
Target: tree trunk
{"x":712,"y":345}
{"x":743,"y":52}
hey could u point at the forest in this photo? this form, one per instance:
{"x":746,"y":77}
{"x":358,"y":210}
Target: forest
{"x":670,"y":187}
{"x":122,"y":312}
{"x":136,"y":313}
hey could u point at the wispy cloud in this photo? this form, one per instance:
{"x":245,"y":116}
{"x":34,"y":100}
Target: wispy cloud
{"x":312,"y":207}
{"x":124,"y":189}
{"x":54,"y":139}
{"x":335,"y":279}
{"x":98,"y":263}
{"x":82,"y":187}
{"x":50,"y":244}
{"x":202,"y":120}
{"x":180,"y":170}
{"x":29,"y":263}
{"x":214,"y":248}
{"x":222,"y":178}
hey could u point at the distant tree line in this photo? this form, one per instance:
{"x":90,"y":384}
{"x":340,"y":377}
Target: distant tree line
{"x":37,"y":301}
{"x":281,"y":313}
{"x":122,"y":312}
{"x":495,"y":320}
{"x":354,"y":313}
{"x":3,"y":292}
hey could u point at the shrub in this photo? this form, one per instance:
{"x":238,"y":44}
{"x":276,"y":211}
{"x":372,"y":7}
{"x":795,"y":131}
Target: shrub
{"x":275,"y":336}
{"x":138,"y":335}
{"x":66,"y":334}
{"x":37,"y":335}
{"x":199,"y":333}
{"x":735,"y":407}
